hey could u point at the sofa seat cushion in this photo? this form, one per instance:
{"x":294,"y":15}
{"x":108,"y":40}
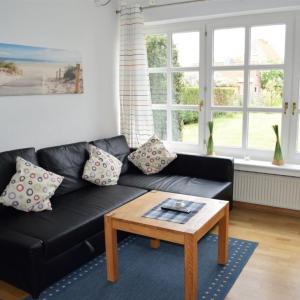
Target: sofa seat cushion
{"x":75,"y":217}
{"x":177,"y":184}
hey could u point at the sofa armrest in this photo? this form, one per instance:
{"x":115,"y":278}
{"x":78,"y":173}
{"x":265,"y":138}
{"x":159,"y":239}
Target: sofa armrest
{"x":20,"y":260}
{"x":11,"y":241}
{"x":210,"y":168}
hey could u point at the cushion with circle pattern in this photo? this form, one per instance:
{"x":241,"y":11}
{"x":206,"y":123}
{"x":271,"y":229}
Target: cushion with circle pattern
{"x":152,"y":156}
{"x":102,"y":168}
{"x":31,"y":188}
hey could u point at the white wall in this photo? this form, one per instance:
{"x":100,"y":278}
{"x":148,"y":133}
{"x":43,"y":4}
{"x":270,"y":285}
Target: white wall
{"x":210,"y":8}
{"x":52,"y":120}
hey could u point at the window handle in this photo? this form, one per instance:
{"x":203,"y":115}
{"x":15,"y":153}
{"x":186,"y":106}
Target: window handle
{"x":286,"y":107}
{"x":201,"y":104}
{"x":294,"y":108}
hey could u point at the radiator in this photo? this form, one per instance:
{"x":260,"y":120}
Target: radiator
{"x":265,"y":189}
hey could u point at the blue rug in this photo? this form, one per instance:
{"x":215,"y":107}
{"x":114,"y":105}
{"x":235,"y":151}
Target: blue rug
{"x":149,"y":274}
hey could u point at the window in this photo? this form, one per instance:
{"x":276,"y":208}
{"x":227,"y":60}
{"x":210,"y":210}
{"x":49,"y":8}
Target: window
{"x":247,"y":86}
{"x":240,"y":73}
{"x":173,"y":61}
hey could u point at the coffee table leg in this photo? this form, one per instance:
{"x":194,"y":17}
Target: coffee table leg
{"x":190,"y":267}
{"x":111,"y":248}
{"x":154,"y":243}
{"x":223,"y":238}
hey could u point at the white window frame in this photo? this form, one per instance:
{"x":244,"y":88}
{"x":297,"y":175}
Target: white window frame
{"x":168,"y":70}
{"x":294,"y":153}
{"x":248,"y":22}
{"x":206,"y":27}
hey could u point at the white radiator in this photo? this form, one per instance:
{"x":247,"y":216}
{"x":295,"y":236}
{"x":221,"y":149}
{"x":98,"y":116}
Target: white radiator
{"x":265,"y":189}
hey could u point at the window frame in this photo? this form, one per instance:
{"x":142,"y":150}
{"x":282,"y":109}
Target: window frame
{"x":169,"y":70}
{"x":294,"y":151}
{"x":247,"y":22}
{"x":206,"y":27}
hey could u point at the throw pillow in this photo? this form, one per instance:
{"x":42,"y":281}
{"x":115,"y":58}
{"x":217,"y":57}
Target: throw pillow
{"x":31,"y":188}
{"x":152,"y":156}
{"x":102,"y":168}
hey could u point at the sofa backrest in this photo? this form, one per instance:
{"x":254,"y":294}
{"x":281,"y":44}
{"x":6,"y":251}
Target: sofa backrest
{"x":68,"y":161}
{"x":117,"y":146}
{"x":205,"y":167}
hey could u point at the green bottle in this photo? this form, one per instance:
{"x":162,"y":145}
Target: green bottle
{"x":210,"y":143}
{"x":277,"y":159}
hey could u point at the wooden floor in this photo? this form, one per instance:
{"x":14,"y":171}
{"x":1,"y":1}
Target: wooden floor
{"x":273,"y":272}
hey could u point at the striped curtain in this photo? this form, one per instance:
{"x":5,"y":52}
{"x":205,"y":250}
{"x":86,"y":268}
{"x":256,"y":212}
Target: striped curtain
{"x":136,"y":112}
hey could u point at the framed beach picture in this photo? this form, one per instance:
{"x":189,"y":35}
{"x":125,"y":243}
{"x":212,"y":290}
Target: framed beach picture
{"x":27,"y":70}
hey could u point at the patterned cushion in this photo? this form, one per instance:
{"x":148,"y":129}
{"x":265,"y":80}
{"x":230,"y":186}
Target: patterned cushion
{"x":30,"y":188}
{"x":102,"y":168}
{"x":152,"y":156}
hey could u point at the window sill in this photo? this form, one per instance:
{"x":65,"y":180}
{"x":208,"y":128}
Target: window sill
{"x":256,"y":166}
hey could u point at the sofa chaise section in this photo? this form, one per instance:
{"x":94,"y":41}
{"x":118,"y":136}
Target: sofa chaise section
{"x":179,"y":184}
{"x":203,"y":176}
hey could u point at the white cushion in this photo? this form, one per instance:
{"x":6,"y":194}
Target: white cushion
{"x":102,"y":168}
{"x":31,"y":188}
{"x":152,"y":156}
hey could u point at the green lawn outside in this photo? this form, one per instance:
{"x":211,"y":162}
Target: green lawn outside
{"x":228,"y":131}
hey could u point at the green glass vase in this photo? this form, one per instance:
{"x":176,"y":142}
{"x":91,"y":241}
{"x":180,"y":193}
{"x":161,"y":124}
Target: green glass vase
{"x":210,"y":143}
{"x":278,"y":158}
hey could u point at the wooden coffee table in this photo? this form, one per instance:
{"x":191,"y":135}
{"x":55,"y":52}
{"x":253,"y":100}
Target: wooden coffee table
{"x":129,"y":218}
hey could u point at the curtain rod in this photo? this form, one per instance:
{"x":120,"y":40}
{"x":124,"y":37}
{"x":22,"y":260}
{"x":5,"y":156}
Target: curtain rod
{"x":166,"y":4}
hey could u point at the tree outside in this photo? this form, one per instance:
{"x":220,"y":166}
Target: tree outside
{"x":183,"y":91}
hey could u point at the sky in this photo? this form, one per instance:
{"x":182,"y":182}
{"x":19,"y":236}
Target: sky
{"x":11,"y":51}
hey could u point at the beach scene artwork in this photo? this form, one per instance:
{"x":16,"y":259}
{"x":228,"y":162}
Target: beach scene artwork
{"x":27,"y":70}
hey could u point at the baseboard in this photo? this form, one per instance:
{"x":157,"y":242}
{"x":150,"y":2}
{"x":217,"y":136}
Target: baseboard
{"x":267,"y":209}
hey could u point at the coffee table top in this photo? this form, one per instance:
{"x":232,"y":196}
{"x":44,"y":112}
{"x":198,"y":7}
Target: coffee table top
{"x":133,"y":212}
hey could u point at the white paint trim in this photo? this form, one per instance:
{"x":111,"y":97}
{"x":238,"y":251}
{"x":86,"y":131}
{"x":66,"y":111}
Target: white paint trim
{"x":224,"y":15}
{"x":266,"y":167}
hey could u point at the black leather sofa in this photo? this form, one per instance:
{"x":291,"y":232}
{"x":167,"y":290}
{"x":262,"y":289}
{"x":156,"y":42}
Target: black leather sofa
{"x":37,"y":249}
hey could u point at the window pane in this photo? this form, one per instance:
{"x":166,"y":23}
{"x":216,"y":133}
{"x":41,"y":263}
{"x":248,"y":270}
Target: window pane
{"x":160,"y":123}
{"x":158,"y":87}
{"x":229,"y":47}
{"x":157,"y":50}
{"x":185,"y":87}
{"x":261,"y":134}
{"x":185,"y":126}
{"x":228,"y":88}
{"x":185,"y":49}
{"x":267,"y":44}
{"x":266,"y":88}
{"x":228,"y":127}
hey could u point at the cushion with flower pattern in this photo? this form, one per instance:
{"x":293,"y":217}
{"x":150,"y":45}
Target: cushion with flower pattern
{"x":31,"y":188}
{"x":152,"y":156}
{"x":102,"y":168}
